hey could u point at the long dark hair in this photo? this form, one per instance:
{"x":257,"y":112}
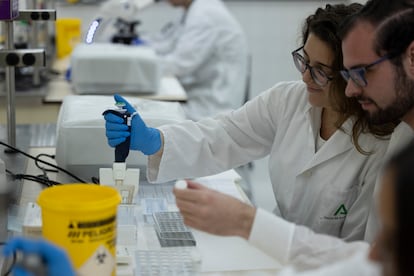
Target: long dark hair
{"x":402,"y":164}
{"x":325,"y":24}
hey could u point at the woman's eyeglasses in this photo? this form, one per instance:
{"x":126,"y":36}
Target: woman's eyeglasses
{"x":319,"y":76}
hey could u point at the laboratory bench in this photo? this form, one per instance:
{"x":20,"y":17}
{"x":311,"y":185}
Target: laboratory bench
{"x":212,"y":255}
{"x":170,"y":89}
{"x":41,"y":104}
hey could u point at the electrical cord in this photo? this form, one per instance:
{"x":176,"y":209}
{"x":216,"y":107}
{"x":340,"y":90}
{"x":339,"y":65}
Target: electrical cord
{"x":44,"y":162}
{"x":95,"y":180}
{"x":42,"y":179}
{"x":44,"y":170}
{"x":44,"y":176}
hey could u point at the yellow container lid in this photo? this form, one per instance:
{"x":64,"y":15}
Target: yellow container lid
{"x":79,"y":197}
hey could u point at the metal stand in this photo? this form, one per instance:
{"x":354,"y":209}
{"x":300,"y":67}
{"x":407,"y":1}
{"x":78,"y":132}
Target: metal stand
{"x":10,"y":87}
{"x":11,"y":58}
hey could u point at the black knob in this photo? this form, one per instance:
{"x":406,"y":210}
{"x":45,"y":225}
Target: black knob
{"x":35,"y":16}
{"x":28,"y":59}
{"x":12,"y":59}
{"x":45,"y":16}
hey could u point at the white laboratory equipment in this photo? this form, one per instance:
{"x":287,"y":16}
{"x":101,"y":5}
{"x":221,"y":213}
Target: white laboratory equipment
{"x":102,"y":68}
{"x":81,"y":144}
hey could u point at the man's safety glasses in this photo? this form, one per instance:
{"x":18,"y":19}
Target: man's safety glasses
{"x":319,"y":76}
{"x":357,"y":75}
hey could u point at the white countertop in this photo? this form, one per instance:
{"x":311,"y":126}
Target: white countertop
{"x":219,"y":255}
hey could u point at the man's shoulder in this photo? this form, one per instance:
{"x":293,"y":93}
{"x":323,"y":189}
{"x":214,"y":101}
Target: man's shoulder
{"x":402,"y":135}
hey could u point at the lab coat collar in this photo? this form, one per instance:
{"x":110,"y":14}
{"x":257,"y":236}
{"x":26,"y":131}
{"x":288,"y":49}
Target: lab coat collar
{"x":338,"y":143}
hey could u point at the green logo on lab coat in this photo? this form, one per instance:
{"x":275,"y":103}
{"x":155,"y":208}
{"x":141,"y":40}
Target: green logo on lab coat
{"x":341,"y":210}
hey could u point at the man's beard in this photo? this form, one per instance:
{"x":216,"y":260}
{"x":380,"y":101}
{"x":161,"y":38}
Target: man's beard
{"x":404,"y":90}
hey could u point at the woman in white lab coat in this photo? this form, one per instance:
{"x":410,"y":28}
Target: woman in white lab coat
{"x":323,"y":152}
{"x":207,"y":51}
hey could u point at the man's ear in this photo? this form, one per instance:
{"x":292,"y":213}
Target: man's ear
{"x":410,"y":61}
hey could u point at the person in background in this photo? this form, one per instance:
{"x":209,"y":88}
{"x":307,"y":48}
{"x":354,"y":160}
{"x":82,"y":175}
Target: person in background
{"x":207,"y":51}
{"x":324,"y":154}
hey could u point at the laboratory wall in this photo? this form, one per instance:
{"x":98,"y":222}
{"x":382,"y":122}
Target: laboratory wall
{"x":272,"y":29}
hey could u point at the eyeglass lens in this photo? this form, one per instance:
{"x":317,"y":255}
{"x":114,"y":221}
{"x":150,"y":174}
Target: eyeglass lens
{"x":356,"y":75}
{"x":318,"y":75}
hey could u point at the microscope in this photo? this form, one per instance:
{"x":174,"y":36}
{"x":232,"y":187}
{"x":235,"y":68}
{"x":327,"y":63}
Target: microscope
{"x":116,"y":21}
{"x":126,"y":32}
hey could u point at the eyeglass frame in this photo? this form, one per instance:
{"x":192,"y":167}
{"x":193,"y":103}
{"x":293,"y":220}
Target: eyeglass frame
{"x":361,"y":70}
{"x":311,"y":68}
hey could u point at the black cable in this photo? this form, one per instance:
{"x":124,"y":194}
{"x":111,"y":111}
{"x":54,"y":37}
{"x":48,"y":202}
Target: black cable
{"x":44,"y":162}
{"x":44,"y":170}
{"x":95,"y":180}
{"x":44,"y":180}
{"x":33,"y":178}
{"x":44,"y":176}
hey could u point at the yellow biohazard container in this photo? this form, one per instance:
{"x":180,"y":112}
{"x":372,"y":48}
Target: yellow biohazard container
{"x":68,"y":35}
{"x":81,"y":218}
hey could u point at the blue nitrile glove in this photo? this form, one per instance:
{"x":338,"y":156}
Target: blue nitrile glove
{"x":54,"y":259}
{"x":143,"y":138}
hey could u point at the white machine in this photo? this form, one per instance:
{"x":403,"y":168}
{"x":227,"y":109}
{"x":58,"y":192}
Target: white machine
{"x":105,"y":68}
{"x":81,"y":145}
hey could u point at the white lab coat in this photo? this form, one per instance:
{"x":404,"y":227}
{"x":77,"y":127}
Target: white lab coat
{"x":356,"y":265}
{"x":403,"y":134}
{"x":311,"y":189}
{"x":207,"y":51}
{"x":298,"y":246}
{"x":304,"y":249}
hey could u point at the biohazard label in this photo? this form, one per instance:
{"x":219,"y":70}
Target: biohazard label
{"x":99,"y":223}
{"x":92,"y":231}
{"x":101,"y":263}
